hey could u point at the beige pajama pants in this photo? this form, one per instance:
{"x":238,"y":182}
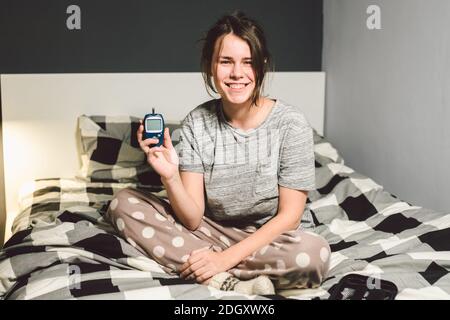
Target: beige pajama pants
{"x":294,"y":259}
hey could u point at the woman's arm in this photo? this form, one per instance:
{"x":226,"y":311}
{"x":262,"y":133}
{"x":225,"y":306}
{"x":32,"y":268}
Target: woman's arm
{"x":185,"y":191}
{"x":290,"y":210}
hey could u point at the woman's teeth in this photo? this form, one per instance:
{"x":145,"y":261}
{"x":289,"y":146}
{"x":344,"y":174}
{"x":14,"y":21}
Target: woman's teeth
{"x":237,"y":85}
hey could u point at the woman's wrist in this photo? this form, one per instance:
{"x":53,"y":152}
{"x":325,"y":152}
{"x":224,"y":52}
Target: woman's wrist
{"x":231,"y":258}
{"x":167,"y":182}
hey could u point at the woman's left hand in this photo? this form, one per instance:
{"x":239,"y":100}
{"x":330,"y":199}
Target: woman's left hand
{"x":203,"y":264}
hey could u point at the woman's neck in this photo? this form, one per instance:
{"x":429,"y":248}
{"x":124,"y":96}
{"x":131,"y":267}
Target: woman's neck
{"x":247,"y":116}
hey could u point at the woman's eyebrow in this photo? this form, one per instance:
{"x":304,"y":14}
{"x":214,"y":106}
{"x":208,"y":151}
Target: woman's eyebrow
{"x":231,"y":58}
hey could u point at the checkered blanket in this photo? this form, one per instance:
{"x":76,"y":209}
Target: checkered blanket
{"x":62,"y":248}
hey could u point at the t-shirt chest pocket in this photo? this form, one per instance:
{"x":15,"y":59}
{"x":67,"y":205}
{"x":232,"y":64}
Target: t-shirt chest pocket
{"x":230,"y":180}
{"x":266,"y":178}
{"x":243,"y":180}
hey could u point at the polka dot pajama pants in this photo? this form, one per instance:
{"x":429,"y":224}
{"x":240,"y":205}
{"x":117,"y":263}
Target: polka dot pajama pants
{"x":296,"y":258}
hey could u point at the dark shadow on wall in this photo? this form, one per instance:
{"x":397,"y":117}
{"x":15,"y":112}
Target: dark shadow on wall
{"x":147,"y":35}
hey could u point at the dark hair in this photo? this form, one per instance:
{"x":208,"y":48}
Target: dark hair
{"x":248,"y":30}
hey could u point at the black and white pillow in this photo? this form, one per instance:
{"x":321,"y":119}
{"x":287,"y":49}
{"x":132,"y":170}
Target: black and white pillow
{"x":324,"y":151}
{"x":110,"y":151}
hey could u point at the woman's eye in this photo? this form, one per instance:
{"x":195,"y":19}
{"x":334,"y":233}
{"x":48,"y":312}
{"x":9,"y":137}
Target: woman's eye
{"x":225,"y":62}
{"x":248,"y":62}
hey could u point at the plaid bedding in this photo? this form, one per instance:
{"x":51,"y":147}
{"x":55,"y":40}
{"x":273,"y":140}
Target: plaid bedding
{"x":62,"y":248}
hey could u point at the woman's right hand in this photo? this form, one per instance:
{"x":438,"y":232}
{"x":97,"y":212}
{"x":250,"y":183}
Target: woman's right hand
{"x":163,"y":159}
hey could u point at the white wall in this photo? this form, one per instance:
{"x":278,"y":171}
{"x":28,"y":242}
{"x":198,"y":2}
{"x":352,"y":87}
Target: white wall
{"x":40,"y":113}
{"x":388,"y":94}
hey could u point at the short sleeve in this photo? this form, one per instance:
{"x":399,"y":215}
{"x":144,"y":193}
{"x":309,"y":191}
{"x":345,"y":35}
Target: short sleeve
{"x":187,"y":148}
{"x":297,"y":170}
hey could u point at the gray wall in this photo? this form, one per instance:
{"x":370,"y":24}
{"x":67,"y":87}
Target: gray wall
{"x":146,"y":35}
{"x":388,"y":94}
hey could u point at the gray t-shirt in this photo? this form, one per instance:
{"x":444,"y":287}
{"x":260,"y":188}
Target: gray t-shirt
{"x":242,"y":169}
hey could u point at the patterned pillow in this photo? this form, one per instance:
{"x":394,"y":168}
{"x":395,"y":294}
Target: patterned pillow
{"x":110,"y":151}
{"x":324,"y":151}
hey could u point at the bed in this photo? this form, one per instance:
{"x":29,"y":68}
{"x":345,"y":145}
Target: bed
{"x":63,"y":248}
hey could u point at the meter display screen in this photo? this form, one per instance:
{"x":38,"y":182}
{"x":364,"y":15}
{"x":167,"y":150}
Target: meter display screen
{"x":153,"y":125}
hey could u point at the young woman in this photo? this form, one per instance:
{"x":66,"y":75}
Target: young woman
{"x":237,"y":186}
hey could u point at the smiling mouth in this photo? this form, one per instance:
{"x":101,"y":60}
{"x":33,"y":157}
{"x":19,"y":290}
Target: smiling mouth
{"x":237,"y":85}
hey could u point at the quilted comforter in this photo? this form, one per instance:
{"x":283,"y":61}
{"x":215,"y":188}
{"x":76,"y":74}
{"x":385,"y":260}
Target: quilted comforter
{"x":62,"y":248}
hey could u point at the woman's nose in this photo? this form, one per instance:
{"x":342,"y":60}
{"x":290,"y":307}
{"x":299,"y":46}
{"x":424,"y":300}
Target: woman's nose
{"x":236,"y":72}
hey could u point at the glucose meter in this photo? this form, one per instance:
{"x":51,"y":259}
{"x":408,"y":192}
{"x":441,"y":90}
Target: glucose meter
{"x":154,"y":127}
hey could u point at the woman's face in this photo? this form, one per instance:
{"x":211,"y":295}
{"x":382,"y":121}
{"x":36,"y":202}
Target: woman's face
{"x":234,"y":77}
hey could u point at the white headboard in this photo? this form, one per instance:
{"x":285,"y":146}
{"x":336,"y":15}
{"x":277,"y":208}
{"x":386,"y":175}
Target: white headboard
{"x":40,"y":113}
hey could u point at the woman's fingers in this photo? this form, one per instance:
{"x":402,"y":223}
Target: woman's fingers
{"x":193,"y":258}
{"x":198,"y":272}
{"x":139,"y":132}
{"x":150,"y":141}
{"x":194,"y":269}
{"x":146,"y":144}
{"x":155,"y":152}
{"x":167,"y":140}
{"x":186,"y":268}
